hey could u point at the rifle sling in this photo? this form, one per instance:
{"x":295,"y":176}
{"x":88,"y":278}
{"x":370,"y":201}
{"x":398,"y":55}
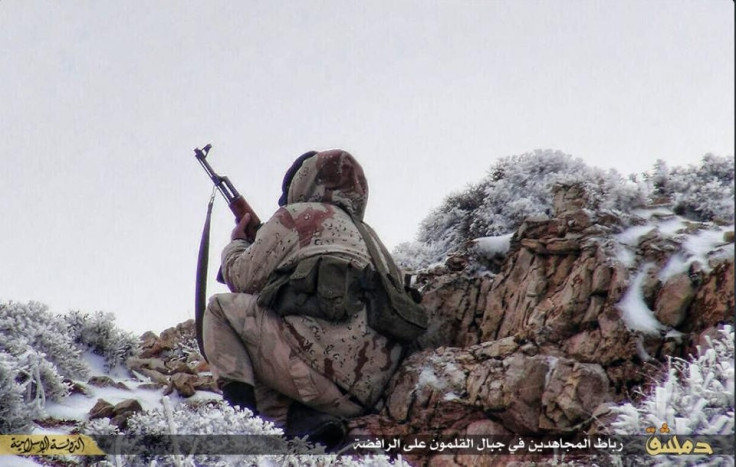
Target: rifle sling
{"x":200,"y":292}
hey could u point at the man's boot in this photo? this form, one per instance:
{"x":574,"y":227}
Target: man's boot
{"x":241,"y":394}
{"x":318,"y":427}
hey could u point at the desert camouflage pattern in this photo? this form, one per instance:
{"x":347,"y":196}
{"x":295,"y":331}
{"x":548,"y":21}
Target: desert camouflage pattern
{"x":324,"y":193}
{"x":249,"y":345}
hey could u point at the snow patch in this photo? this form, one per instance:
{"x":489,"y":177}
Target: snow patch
{"x":552,"y":362}
{"x":641,"y":351}
{"x":494,"y":246}
{"x":700,"y":247}
{"x":428,"y":378}
{"x":634,"y":311}
{"x":671,"y":227}
{"x":677,"y":263}
{"x":625,"y":256}
{"x":18,"y":461}
{"x":704,"y":242}
{"x":632,"y":235}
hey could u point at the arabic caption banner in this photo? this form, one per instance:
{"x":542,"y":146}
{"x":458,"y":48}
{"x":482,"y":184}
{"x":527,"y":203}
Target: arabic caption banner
{"x":162,"y":445}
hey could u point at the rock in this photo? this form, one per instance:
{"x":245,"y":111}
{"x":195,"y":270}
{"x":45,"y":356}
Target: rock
{"x":123,"y":410}
{"x":101,"y":409}
{"x":495,"y":349}
{"x":578,"y":220}
{"x":673,"y":300}
{"x":573,"y":392}
{"x":563,"y":246}
{"x":714,"y":299}
{"x":75,"y":387}
{"x":170,"y":340}
{"x":728,"y":237}
{"x":206,"y":383}
{"x":128,"y":406}
{"x":155,"y":364}
{"x":180,"y":367}
{"x":569,"y":197}
{"x":150,"y":386}
{"x":456,"y":262}
{"x":103,"y":381}
{"x":202,"y":366}
{"x":154,"y":376}
{"x":651,"y":287}
{"x":183,"y":384}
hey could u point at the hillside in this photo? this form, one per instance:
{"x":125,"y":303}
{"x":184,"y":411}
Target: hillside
{"x":565,"y":303}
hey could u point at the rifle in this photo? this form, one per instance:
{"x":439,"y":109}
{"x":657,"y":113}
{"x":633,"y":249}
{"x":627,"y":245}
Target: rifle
{"x":235,"y":201}
{"x":240,"y":207}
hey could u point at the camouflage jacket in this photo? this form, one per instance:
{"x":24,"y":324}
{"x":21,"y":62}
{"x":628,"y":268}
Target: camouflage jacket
{"x":324,"y":193}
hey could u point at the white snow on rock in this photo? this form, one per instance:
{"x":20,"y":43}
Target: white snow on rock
{"x":634,"y":311}
{"x":701,"y":245}
{"x":491,"y":247}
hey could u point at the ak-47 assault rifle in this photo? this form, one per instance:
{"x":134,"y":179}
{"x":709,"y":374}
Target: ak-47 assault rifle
{"x":240,"y":207}
{"x":237,"y":204}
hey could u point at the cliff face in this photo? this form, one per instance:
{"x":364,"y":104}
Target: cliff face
{"x":583,"y":308}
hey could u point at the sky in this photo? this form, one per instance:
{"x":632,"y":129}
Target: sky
{"x":103,"y":103}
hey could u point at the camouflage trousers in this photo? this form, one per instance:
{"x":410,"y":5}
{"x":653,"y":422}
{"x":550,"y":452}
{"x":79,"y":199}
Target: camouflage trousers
{"x":245,"y":343}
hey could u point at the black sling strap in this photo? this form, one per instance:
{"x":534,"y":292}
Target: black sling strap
{"x":200,"y":292}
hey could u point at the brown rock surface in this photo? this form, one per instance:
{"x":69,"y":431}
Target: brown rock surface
{"x":101,"y":409}
{"x":541,"y":347}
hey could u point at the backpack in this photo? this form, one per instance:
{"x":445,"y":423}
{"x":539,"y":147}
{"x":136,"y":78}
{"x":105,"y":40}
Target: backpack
{"x":393,"y":309}
{"x":332,"y":288}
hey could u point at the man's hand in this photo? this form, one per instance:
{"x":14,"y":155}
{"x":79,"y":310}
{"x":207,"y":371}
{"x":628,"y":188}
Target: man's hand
{"x":239,"y":230}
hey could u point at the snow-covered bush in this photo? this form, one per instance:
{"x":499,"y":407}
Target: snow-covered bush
{"x":218,"y":418}
{"x":703,"y":193}
{"x":411,"y":256}
{"x":31,"y":325}
{"x":36,"y":356}
{"x":15,"y":413}
{"x":98,"y":333}
{"x":522,"y":186}
{"x":695,"y":397}
{"x":514,"y":189}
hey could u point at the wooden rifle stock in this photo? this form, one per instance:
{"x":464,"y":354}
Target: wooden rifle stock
{"x":240,"y":207}
{"x":237,"y":204}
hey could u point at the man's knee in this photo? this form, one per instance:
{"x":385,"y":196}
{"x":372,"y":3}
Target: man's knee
{"x":214,"y":307}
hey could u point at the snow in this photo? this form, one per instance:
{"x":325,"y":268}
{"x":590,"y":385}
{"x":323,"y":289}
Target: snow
{"x":704,"y":242}
{"x":702,"y":245}
{"x":428,"y":378}
{"x":493,"y":246}
{"x":677,"y":263}
{"x":636,"y":314}
{"x":552,"y":362}
{"x":672,"y":226}
{"x":632,"y":235}
{"x":18,"y":461}
{"x":625,"y":256}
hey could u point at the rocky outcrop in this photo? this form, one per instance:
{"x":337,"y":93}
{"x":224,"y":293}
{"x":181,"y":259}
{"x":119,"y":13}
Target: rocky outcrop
{"x":118,"y":413}
{"x":171,"y":360}
{"x":546,"y":344}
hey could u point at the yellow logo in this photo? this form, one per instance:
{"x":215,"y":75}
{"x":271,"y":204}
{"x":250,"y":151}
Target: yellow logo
{"x":49,"y":445}
{"x":673,"y":445}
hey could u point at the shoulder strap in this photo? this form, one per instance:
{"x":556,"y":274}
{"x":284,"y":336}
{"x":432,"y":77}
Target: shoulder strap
{"x":371,"y":240}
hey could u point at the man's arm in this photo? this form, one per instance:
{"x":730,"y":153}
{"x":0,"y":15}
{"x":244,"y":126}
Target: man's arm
{"x":246,"y":266}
